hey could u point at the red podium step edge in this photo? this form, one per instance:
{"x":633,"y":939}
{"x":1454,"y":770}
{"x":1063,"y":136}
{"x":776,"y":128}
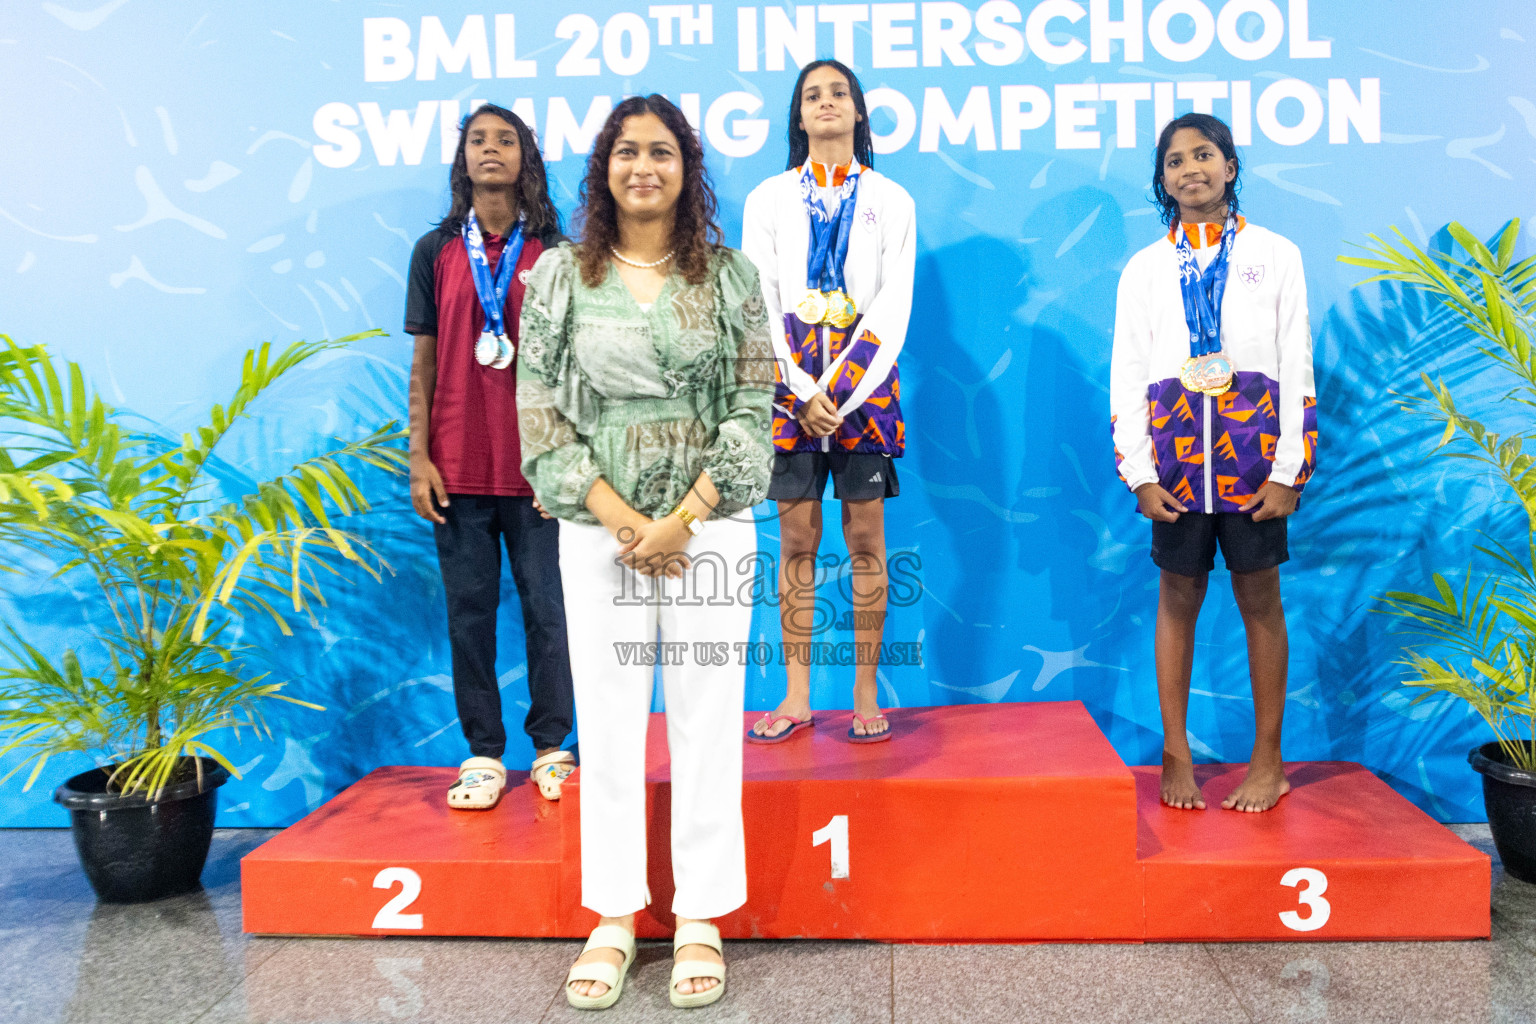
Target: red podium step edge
{"x":1005,"y":822}
{"x":1392,"y":872}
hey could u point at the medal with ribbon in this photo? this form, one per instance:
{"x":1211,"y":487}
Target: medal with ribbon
{"x":826,"y":298}
{"x":494,"y":349}
{"x":1207,"y":370}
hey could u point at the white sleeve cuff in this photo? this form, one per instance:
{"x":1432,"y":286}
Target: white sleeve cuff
{"x":1139,"y":481}
{"x":801,"y":383}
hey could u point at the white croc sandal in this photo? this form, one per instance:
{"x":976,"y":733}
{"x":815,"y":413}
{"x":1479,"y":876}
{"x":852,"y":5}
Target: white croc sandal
{"x":550,"y":772}
{"x":703,"y":934}
{"x":604,"y":936}
{"x":479,"y":785}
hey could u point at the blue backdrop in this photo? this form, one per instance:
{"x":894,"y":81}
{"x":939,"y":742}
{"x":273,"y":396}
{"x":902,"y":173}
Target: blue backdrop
{"x":184,"y":180}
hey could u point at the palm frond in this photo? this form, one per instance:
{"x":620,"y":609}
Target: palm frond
{"x":179,"y":469}
{"x":1486,"y":628}
{"x":174,"y":563}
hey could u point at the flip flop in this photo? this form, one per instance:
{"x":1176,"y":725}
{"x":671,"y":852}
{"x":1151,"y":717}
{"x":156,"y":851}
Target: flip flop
{"x":767,"y":722}
{"x":604,"y":936}
{"x":703,"y":934}
{"x":479,"y":785}
{"x":879,"y":737}
{"x":550,"y":772}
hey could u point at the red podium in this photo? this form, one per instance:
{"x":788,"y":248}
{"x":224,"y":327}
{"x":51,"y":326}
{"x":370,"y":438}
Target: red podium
{"x":1003,"y":822}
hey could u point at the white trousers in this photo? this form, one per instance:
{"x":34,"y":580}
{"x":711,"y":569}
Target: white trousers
{"x":611,"y":615}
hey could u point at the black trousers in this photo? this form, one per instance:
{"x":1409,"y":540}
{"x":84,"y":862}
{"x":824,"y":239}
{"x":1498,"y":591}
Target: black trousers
{"x":469,"y":554}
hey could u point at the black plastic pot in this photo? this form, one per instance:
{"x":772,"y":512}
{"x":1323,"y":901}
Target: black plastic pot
{"x":133,"y":849}
{"x":1509,"y":795}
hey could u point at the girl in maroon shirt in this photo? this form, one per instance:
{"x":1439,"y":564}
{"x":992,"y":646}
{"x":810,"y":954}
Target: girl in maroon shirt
{"x":466,"y":476}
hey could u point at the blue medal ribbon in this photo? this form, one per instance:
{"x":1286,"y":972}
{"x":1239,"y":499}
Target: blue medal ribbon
{"x":828,"y":250}
{"x":1203,"y":291}
{"x":492,"y":288}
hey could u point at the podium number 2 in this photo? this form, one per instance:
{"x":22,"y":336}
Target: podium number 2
{"x":836,"y":833}
{"x":1313,"y":883}
{"x":389,"y":915}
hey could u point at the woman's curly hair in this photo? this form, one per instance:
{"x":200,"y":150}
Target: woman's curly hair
{"x":695,"y":235}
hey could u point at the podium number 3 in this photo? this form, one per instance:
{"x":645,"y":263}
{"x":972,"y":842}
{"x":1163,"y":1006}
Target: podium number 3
{"x":1313,"y":883}
{"x":836,"y":833}
{"x":389,"y":915}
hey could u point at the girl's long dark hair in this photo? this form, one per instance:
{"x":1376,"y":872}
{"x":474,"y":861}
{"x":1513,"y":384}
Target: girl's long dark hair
{"x":1219,"y":135}
{"x":800,"y":142}
{"x":695,"y":235}
{"x":540,"y":218}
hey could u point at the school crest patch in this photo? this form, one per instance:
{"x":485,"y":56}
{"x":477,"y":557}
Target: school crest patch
{"x":1252,"y":275}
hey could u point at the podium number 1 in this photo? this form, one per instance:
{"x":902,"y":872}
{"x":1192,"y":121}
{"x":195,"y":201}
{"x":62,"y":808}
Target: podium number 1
{"x":1313,"y":883}
{"x":836,"y":833}
{"x":389,"y":915}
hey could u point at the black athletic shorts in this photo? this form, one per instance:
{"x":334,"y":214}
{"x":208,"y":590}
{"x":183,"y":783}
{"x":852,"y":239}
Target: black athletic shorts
{"x":1188,"y":547}
{"x":856,"y":476}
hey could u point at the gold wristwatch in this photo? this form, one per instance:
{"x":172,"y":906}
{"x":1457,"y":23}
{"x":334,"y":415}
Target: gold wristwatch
{"x":690,"y":520}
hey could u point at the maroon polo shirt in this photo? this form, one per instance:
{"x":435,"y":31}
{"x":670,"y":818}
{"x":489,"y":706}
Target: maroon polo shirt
{"x":473,"y":433}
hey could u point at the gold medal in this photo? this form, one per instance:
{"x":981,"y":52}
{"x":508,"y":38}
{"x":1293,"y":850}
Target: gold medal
{"x":812,"y":308}
{"x":1209,"y":375}
{"x":841,"y":311}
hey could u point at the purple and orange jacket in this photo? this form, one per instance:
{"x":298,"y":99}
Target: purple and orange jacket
{"x":855,"y":366}
{"x":1214,"y":453}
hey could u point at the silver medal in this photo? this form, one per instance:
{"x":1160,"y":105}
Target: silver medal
{"x":486,"y":349}
{"x":504,"y":353}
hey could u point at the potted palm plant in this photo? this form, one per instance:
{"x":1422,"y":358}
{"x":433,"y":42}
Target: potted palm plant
{"x":173,"y":563}
{"x":1479,"y":636}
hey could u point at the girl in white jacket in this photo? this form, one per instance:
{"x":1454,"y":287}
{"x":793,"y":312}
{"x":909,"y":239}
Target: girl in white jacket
{"x":837,"y":411}
{"x":1215,"y":428}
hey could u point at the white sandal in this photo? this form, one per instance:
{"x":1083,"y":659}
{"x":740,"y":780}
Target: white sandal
{"x":703,"y":934}
{"x":479,"y":785}
{"x":550,"y":772}
{"x":604,"y":936}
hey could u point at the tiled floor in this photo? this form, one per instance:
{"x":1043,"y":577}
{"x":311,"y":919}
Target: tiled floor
{"x":64,"y":958}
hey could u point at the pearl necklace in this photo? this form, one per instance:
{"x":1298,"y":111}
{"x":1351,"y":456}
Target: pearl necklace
{"x":643,"y":266}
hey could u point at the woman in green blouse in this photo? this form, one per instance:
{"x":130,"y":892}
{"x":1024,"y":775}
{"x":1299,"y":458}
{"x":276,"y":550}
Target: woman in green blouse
{"x":644,"y":388}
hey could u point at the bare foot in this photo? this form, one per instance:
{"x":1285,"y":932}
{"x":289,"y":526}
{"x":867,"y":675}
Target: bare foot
{"x":867,"y":705}
{"x":794,"y":707}
{"x":1260,"y":789}
{"x":601,"y":956}
{"x":1178,"y":785}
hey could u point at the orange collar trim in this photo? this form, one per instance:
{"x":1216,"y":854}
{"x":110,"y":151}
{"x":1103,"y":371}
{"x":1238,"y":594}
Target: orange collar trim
{"x":1204,"y":234}
{"x":822,"y":173}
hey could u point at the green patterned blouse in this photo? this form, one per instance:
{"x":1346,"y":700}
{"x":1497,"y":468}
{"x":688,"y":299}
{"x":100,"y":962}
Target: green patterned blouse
{"x":645,"y":399}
